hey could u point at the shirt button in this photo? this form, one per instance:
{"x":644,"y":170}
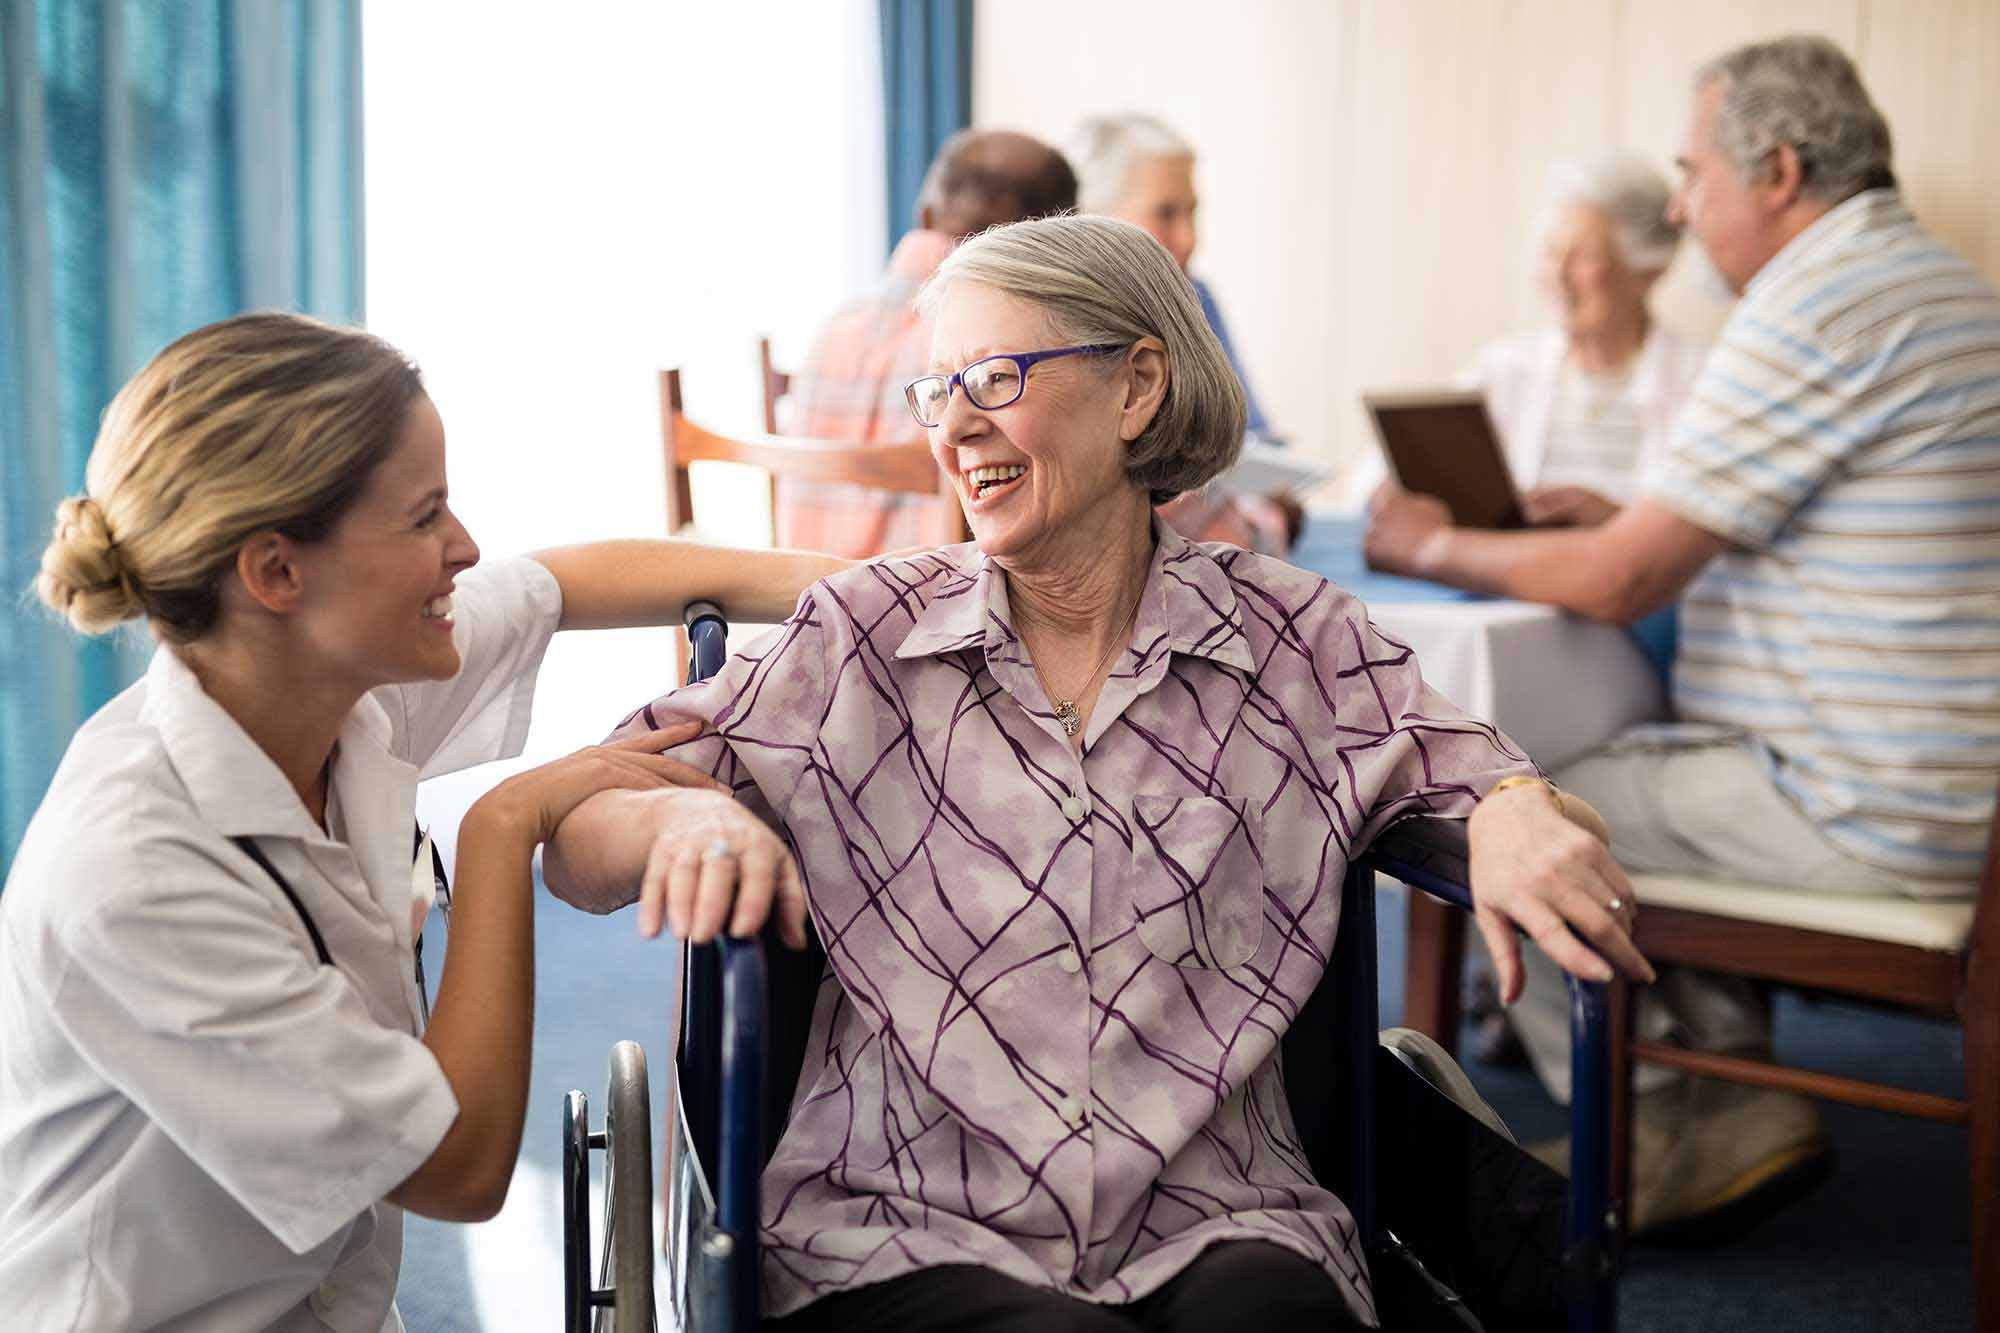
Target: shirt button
{"x":1068,"y":961}
{"x":1073,"y":807}
{"x":1070,"y":1108}
{"x":326,"y":1297}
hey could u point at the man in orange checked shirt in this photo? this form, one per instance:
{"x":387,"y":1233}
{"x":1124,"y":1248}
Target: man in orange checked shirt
{"x":851,"y":387}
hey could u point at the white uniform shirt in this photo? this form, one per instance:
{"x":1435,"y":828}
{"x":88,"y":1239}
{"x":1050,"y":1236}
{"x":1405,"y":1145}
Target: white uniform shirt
{"x":198,"y":1121}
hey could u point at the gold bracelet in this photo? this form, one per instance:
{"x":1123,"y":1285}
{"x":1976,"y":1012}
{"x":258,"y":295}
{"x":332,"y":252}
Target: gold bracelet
{"x":1526,"y":780}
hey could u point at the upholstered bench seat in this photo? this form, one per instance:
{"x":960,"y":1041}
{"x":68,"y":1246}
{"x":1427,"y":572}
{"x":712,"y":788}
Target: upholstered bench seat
{"x":1943,"y":925}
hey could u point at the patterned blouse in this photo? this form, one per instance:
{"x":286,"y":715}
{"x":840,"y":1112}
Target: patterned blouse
{"x":1048,"y":1043}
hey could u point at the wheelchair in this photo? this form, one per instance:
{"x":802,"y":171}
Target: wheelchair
{"x":1364,"y":1118}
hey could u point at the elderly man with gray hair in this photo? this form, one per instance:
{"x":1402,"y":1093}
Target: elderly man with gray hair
{"x":1825,"y":515}
{"x":851,"y":386}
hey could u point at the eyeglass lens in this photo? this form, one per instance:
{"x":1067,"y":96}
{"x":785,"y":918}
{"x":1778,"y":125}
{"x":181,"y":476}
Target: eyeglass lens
{"x":989,"y":384}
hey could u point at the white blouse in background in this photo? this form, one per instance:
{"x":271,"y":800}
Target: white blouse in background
{"x":198,"y":1122}
{"x":1563,"y":428}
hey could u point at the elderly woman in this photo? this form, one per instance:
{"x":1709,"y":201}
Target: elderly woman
{"x":1585,"y":406}
{"x":1068,"y":806}
{"x":1136,"y":168}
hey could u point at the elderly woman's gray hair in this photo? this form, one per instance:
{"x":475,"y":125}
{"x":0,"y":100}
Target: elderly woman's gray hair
{"x":1099,"y":280}
{"x":1628,"y":192}
{"x":1805,"y":92}
{"x":1104,"y":150}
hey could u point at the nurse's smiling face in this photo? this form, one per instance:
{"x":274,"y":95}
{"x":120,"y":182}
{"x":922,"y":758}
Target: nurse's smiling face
{"x":1044,"y":473}
{"x":376,"y":608}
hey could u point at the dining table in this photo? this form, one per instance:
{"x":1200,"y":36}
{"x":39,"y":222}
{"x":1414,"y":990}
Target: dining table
{"x":1556,"y":684}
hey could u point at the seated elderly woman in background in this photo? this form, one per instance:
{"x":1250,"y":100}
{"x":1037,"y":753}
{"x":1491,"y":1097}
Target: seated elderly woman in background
{"x":1584,"y":407}
{"x":1069,"y":807}
{"x":1136,"y":168}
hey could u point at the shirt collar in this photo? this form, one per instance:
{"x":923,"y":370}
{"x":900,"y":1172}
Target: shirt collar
{"x":237,"y":788}
{"x":1189,"y":606}
{"x":1867,"y":211}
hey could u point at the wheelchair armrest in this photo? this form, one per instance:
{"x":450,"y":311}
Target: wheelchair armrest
{"x":1432,"y":855}
{"x":1428,"y":854}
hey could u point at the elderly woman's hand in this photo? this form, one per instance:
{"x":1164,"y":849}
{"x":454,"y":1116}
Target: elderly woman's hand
{"x":1403,"y":528}
{"x":712,"y":862}
{"x":1535,"y":868}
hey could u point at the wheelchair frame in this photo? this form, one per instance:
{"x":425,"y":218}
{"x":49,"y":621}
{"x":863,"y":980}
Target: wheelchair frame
{"x":716,"y":1102}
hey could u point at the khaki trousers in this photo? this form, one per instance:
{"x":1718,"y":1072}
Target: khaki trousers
{"x":1691,"y":799}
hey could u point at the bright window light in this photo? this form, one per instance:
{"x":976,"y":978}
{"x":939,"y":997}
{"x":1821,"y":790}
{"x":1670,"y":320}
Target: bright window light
{"x":563,"y":200}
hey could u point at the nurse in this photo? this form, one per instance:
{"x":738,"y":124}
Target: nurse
{"x":217,"y":1091}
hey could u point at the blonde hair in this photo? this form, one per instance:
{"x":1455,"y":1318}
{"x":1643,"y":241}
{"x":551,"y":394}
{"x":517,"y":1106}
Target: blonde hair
{"x":1099,"y":280}
{"x":262,"y":422}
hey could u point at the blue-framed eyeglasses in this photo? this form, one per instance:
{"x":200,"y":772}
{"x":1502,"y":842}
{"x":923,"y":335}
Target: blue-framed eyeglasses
{"x":990,"y":383}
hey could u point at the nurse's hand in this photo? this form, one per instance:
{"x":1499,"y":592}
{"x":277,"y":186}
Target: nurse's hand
{"x":1541,"y":867}
{"x":535,"y":802}
{"x":712,"y":864}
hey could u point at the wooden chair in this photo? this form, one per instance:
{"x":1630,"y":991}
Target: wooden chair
{"x":776,"y":384}
{"x":1936,"y":958}
{"x":907,"y":468}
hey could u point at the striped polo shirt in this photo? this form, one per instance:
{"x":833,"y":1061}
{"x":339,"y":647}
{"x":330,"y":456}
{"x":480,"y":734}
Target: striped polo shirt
{"x":1845,"y":437}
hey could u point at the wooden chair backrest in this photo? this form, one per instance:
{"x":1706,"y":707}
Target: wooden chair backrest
{"x":905,"y":468}
{"x":775,"y":383}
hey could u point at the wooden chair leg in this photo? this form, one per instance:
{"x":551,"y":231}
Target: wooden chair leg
{"x":1982,"y":1079}
{"x":1434,"y":958}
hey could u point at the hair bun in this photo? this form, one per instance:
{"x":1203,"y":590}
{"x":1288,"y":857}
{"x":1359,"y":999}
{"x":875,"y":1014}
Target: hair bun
{"x":83,"y":575}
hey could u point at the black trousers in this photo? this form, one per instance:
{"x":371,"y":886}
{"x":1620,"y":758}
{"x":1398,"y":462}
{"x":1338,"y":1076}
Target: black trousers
{"x":1244,"y":1284}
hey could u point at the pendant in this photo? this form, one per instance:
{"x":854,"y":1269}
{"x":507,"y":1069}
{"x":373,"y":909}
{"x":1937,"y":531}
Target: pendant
{"x":1066,"y":714}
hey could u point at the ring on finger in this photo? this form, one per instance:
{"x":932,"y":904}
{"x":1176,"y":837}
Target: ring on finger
{"x":718,"y":850}
{"x":1616,"y":905}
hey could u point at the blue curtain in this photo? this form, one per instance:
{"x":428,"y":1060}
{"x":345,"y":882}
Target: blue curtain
{"x":926,"y":92}
{"x":167,"y":163}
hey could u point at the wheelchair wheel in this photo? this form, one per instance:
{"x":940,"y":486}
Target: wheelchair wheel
{"x":626,"y":1304}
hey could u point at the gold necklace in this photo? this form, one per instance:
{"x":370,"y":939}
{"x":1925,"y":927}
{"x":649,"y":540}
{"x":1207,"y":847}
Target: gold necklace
{"x":1066,"y":712}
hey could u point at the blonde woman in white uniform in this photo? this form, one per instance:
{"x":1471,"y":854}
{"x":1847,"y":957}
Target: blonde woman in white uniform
{"x":217,"y":1096}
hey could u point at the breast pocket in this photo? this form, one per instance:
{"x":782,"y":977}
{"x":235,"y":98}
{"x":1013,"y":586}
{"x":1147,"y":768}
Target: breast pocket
{"x":1198,"y":879}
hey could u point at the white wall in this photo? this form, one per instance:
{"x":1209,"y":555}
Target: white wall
{"x":1371,"y":170}
{"x":562,"y":200}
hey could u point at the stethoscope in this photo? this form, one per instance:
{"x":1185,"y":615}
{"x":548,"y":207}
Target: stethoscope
{"x":440,"y":897}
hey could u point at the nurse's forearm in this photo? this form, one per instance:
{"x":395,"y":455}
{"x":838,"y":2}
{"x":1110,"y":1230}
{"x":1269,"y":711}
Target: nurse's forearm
{"x":611,"y":585}
{"x":481,"y":1028}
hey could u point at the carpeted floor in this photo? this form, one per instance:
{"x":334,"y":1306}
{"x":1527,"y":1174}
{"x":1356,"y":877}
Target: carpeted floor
{"x":1882,"y":1246}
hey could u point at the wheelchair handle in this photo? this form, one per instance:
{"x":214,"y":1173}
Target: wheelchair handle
{"x":708,"y":639}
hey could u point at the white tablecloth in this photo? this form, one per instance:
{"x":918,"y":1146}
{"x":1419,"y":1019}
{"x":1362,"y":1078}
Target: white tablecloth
{"x":1556,"y":685}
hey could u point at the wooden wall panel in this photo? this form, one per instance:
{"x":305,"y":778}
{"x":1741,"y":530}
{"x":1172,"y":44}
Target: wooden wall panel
{"x":1460,"y":111}
{"x":1933,"y":66}
{"x":1261,"y":94}
{"x":1373,"y":171}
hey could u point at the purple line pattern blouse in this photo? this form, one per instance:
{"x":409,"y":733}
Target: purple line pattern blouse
{"x":1048,"y":1043}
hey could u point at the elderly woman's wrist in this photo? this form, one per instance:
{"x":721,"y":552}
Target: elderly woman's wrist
{"x":1517,"y":795}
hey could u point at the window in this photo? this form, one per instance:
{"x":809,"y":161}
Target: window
{"x":560,"y":203}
